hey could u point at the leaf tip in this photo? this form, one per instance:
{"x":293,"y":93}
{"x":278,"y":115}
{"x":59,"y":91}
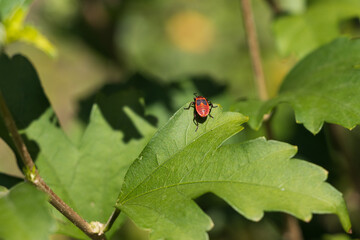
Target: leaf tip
{"x":349,"y":231}
{"x":351,"y":128}
{"x":296,"y":148}
{"x":308,"y":218}
{"x":211,"y":225}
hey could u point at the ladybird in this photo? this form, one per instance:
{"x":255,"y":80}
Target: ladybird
{"x":202,"y":108}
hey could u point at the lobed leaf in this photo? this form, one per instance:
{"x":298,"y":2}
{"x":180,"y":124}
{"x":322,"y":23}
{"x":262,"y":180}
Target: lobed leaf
{"x":86,"y":176}
{"x":323,"y":87}
{"x":179,"y":164}
{"x":20,"y":204}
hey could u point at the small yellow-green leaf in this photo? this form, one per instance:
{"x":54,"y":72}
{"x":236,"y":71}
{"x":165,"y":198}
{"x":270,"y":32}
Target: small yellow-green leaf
{"x":17,"y":30}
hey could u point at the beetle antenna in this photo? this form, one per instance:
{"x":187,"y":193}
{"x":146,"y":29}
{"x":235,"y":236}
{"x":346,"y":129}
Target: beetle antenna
{"x":195,"y":94}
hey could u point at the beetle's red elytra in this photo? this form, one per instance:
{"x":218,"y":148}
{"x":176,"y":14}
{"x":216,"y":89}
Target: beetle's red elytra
{"x":202,"y":108}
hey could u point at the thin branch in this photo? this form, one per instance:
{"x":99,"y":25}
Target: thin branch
{"x":35,"y":178}
{"x":252,"y":41}
{"x":293,"y":230}
{"x":292,"y":225}
{"x":11,"y":126}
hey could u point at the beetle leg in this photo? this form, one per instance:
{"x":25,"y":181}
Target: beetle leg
{"x":211,"y":107}
{"x":191,"y":104}
{"x":195,"y":122}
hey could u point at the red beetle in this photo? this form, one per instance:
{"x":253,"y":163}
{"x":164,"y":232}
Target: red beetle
{"x":202,"y":108}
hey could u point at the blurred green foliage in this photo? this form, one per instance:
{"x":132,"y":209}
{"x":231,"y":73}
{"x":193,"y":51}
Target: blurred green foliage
{"x":301,"y":33}
{"x":16,"y":210}
{"x":159,"y":53}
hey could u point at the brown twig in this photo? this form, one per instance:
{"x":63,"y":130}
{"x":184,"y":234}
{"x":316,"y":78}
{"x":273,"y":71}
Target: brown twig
{"x":254,"y":49}
{"x":292,"y":231}
{"x":292,"y":228}
{"x":34,"y":177}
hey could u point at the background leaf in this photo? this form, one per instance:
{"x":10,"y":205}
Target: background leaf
{"x":302,"y":33}
{"x":87,"y":175}
{"x":192,"y":34}
{"x":179,"y":165}
{"x":7,"y":7}
{"x":322,"y":87}
{"x":25,"y":214}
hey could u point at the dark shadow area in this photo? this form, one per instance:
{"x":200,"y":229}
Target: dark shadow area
{"x":230,"y":225}
{"x":22,"y":90}
{"x":153,"y":90}
{"x":112,"y":103}
{"x":314,"y":148}
{"x":32,"y":147}
{"x":131,"y":91}
{"x":9,"y":181}
{"x":112,"y":98}
{"x":320,"y":225}
{"x":350,"y":27}
{"x":208,"y":87}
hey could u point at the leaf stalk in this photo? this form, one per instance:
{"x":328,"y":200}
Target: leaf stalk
{"x":111,"y":220}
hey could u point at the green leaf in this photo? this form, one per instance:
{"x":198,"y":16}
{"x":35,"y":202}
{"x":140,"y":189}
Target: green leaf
{"x":300,"y":34}
{"x":3,"y":191}
{"x":253,"y":109}
{"x":87,"y":176}
{"x":7,"y":7}
{"x":320,"y":88}
{"x":25,"y":214}
{"x":180,"y":164}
